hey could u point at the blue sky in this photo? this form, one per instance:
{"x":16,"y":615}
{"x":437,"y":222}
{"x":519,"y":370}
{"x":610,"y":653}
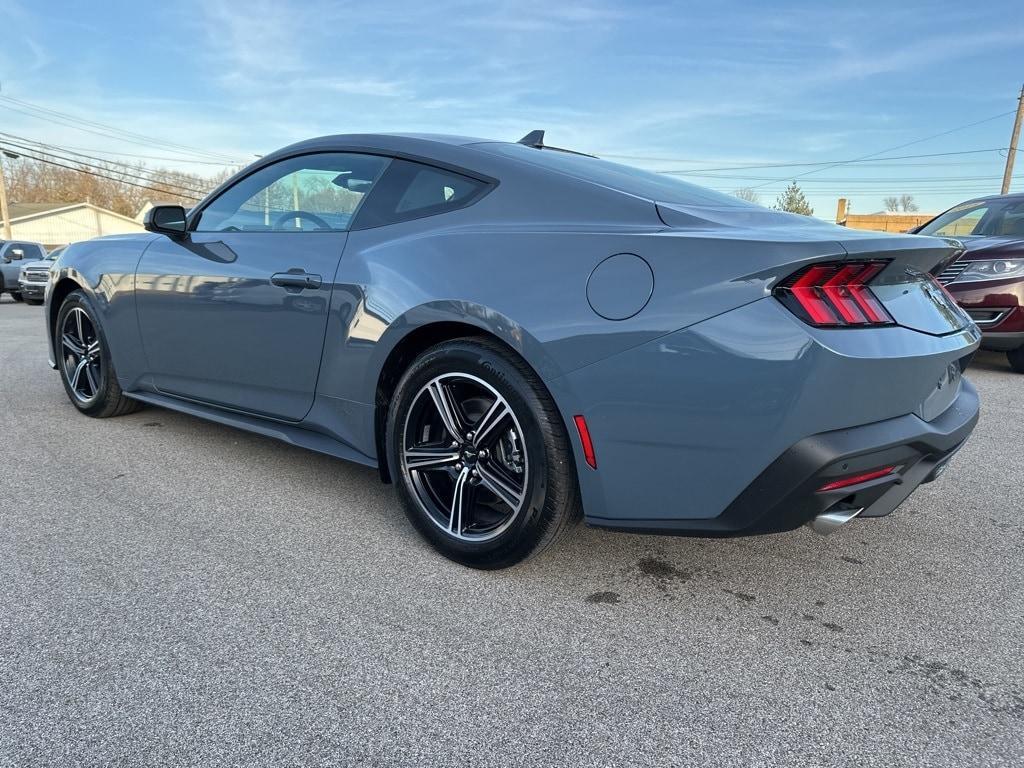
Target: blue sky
{"x":668,"y":86}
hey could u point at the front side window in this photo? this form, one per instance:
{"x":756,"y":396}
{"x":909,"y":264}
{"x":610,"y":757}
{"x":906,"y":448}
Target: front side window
{"x":310,"y":193}
{"x":411,"y":190}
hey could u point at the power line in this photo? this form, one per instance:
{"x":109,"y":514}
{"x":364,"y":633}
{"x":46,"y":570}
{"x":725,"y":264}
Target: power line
{"x":87,"y":172}
{"x":147,"y":157}
{"x":61,"y":154}
{"x":167,"y":187}
{"x":829,"y":162}
{"x":868,"y":180}
{"x":893,"y":149}
{"x":100,"y":129}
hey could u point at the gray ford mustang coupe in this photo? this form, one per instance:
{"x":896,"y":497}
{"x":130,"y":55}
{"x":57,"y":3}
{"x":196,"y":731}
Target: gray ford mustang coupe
{"x":515,"y":334}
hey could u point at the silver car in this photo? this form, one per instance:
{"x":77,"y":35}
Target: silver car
{"x":515,"y":334}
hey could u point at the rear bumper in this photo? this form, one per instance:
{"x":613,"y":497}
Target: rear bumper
{"x":785,"y":496}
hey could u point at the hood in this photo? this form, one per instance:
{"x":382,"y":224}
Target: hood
{"x":37,"y":263}
{"x":991,"y":247}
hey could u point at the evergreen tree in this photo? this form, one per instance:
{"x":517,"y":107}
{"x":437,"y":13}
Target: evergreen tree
{"x":793,"y":201}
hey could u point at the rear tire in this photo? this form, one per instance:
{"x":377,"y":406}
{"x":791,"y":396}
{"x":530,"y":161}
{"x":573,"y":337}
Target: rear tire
{"x":83,"y":358}
{"x":504,"y":488}
{"x":1016,"y":358}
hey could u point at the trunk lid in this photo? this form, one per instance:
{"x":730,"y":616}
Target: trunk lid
{"x":905,"y":287}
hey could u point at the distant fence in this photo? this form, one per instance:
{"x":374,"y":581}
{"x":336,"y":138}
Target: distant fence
{"x":880,"y":222}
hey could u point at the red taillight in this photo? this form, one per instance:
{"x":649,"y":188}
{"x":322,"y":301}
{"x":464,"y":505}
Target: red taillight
{"x":588,"y":446}
{"x":835,"y":294}
{"x":857,"y":479}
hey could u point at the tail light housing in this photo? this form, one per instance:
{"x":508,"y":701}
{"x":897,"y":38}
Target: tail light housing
{"x":835,"y":294}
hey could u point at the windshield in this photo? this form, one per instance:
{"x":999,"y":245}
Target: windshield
{"x":997,"y":217}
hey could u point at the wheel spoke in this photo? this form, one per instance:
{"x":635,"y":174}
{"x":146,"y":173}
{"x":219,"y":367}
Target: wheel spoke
{"x":447,"y":408}
{"x":78,"y":372}
{"x":462,"y":500}
{"x":72,"y":344}
{"x":425,"y":458}
{"x":91,"y":375}
{"x":78,"y":321}
{"x":492,"y":418}
{"x":500,"y":487}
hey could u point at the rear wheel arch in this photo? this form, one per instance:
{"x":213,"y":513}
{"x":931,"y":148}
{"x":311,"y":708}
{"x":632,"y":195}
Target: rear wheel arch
{"x":402,"y":356}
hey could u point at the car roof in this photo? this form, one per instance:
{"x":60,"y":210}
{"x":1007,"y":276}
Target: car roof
{"x":490,"y":157}
{"x":1008,"y":196}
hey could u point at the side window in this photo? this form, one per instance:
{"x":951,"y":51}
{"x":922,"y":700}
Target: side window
{"x":310,"y":193}
{"x":412,"y":190}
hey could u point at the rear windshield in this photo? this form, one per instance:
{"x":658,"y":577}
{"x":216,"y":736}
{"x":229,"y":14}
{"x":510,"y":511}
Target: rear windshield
{"x":659,"y":187}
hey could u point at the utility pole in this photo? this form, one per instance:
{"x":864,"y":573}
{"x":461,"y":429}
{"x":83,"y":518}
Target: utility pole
{"x":3,"y":197}
{"x":3,"y":201}
{"x":1014,"y":137}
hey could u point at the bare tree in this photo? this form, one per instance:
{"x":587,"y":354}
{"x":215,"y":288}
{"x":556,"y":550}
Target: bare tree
{"x":892,"y":203}
{"x":118,"y":187}
{"x":746,"y":193}
{"x":907,"y":204}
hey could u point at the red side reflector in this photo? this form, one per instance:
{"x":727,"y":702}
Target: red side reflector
{"x":588,"y":446}
{"x":857,"y":479}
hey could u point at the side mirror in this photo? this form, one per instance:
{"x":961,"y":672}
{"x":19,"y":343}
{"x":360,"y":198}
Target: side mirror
{"x":17,"y":254}
{"x":166,"y":220}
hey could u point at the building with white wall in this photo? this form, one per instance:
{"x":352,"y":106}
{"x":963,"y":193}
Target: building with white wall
{"x":56,"y":224}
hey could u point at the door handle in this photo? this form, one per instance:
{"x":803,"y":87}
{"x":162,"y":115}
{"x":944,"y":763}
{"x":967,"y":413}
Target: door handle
{"x":296,"y":279}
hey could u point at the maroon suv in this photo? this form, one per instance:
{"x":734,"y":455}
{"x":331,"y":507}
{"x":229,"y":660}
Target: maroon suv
{"x":988,"y":279}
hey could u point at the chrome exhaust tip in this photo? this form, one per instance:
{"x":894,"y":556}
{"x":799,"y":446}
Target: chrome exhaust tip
{"x":831,"y":520}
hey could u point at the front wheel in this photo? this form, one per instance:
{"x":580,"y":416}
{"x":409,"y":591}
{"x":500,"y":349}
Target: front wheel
{"x":1016,"y":358}
{"x":34,"y":302}
{"x":480,"y":455}
{"x":84,"y":361}
{"x":16,"y":296}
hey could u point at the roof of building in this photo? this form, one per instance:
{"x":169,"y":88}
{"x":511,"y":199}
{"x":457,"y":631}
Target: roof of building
{"x":18,"y":210}
{"x":28,"y":210}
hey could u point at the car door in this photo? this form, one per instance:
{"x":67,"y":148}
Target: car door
{"x":234,"y":312}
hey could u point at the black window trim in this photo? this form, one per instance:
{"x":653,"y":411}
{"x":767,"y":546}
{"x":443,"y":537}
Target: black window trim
{"x":486,"y":185}
{"x":490,"y":183}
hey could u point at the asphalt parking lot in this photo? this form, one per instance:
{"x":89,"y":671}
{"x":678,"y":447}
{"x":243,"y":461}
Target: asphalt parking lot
{"x":177,"y":592}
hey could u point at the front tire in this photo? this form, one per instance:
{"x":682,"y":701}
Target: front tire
{"x":34,"y":302}
{"x":480,"y":455}
{"x":17,"y":297}
{"x":1016,"y":358}
{"x":83,"y":357}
